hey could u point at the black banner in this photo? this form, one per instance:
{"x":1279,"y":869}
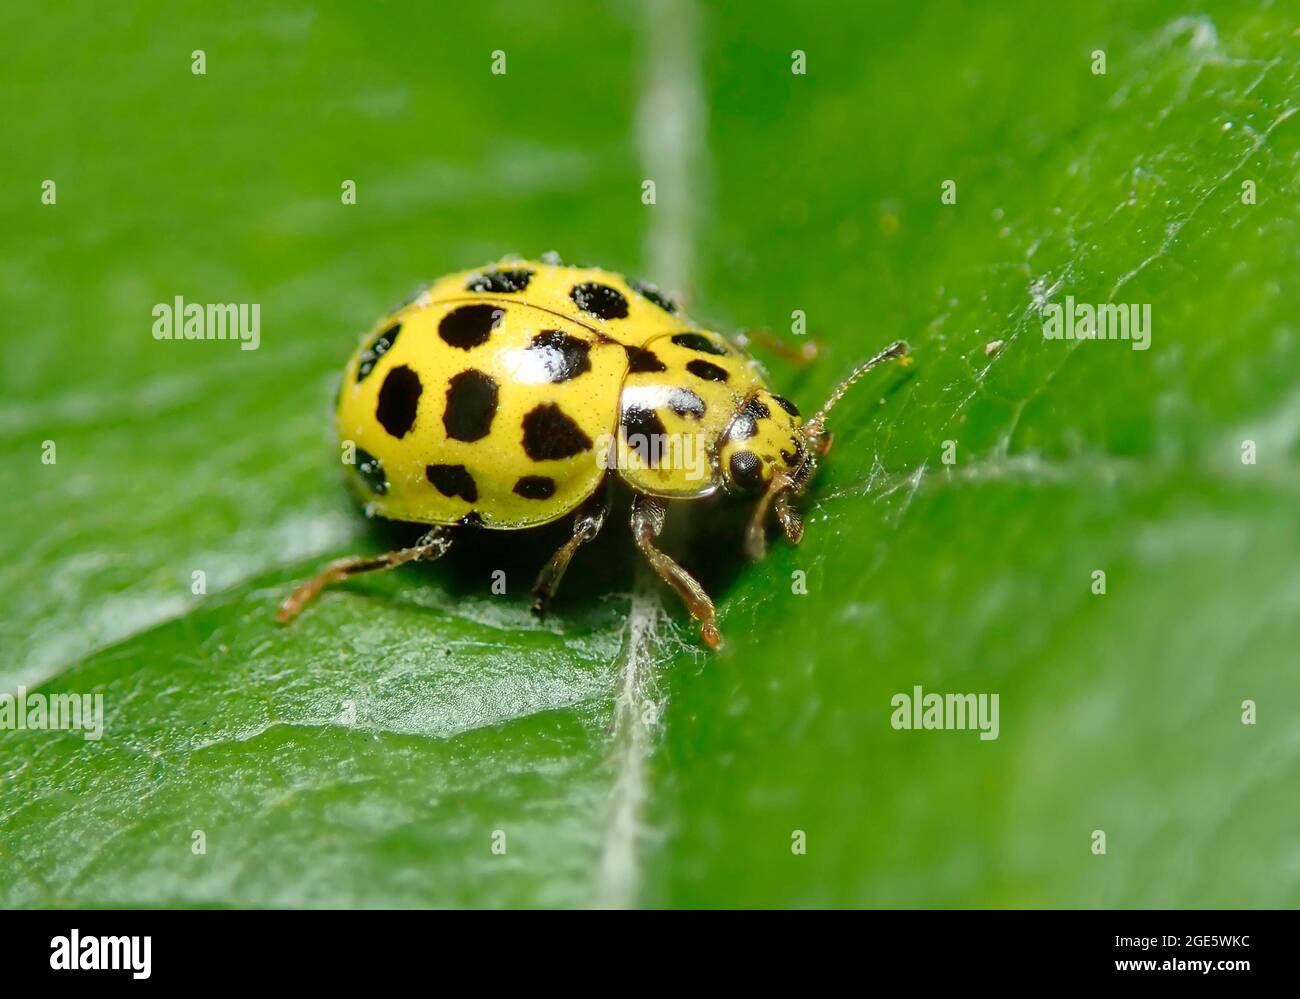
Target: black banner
{"x":1230,"y":949}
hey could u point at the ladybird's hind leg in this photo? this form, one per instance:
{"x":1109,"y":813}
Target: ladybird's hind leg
{"x":431,"y":546}
{"x":587,"y":523}
{"x":647,"y":521}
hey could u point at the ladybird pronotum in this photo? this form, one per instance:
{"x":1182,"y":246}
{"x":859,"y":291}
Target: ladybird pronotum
{"x":510,"y":396}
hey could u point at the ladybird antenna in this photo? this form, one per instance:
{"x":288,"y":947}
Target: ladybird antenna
{"x":817,"y":425}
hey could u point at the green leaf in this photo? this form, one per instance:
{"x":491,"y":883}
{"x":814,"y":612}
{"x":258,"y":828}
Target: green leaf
{"x":382,"y":749}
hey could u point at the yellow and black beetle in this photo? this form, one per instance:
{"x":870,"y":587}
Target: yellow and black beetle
{"x":507,"y":397}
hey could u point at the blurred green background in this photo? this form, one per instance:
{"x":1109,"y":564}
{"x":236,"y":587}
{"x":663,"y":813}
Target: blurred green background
{"x":375,"y":752}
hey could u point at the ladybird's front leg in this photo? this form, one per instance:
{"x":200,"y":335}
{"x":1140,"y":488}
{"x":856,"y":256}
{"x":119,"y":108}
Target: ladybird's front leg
{"x":587,"y":523}
{"x":788,"y":517}
{"x":647,"y":521}
{"x":431,"y":546}
{"x":777,"y":494}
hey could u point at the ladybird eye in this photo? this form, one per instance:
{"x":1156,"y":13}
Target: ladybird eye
{"x":746,"y":470}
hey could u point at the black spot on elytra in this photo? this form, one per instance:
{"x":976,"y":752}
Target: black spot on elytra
{"x":701,"y":343}
{"x":499,"y":282}
{"x":786,"y":404}
{"x":453,"y":480}
{"x":535,"y":487}
{"x":563,"y":356}
{"x":470,"y":325}
{"x":399,"y":397}
{"x":641,"y":360}
{"x":375,"y":349}
{"x":746,"y":470}
{"x":645,"y":433}
{"x":707,"y":370}
{"x":684,"y":402}
{"x":371,"y":472}
{"x":600,"y":300}
{"x":651,"y":292}
{"x":471,"y":406}
{"x":471,"y":519}
{"x":550,"y":435}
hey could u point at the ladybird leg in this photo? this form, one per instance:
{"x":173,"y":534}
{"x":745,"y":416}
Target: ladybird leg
{"x":431,"y":546}
{"x":587,"y":523}
{"x":756,"y":534}
{"x":789,"y":518}
{"x":647,"y":521}
{"x":744,"y":339}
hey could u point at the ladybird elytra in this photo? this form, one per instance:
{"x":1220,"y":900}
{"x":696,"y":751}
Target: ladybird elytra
{"x":511,"y":395}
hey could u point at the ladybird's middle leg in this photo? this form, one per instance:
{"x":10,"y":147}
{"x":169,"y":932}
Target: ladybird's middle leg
{"x":431,"y":546}
{"x":808,"y":351}
{"x":587,"y":523}
{"x":647,"y":521}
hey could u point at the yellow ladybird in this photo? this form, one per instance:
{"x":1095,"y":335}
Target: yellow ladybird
{"x":508,"y":397}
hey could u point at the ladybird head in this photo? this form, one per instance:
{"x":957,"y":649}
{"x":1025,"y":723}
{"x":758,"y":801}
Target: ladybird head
{"x":764,"y":443}
{"x":775,"y":455}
